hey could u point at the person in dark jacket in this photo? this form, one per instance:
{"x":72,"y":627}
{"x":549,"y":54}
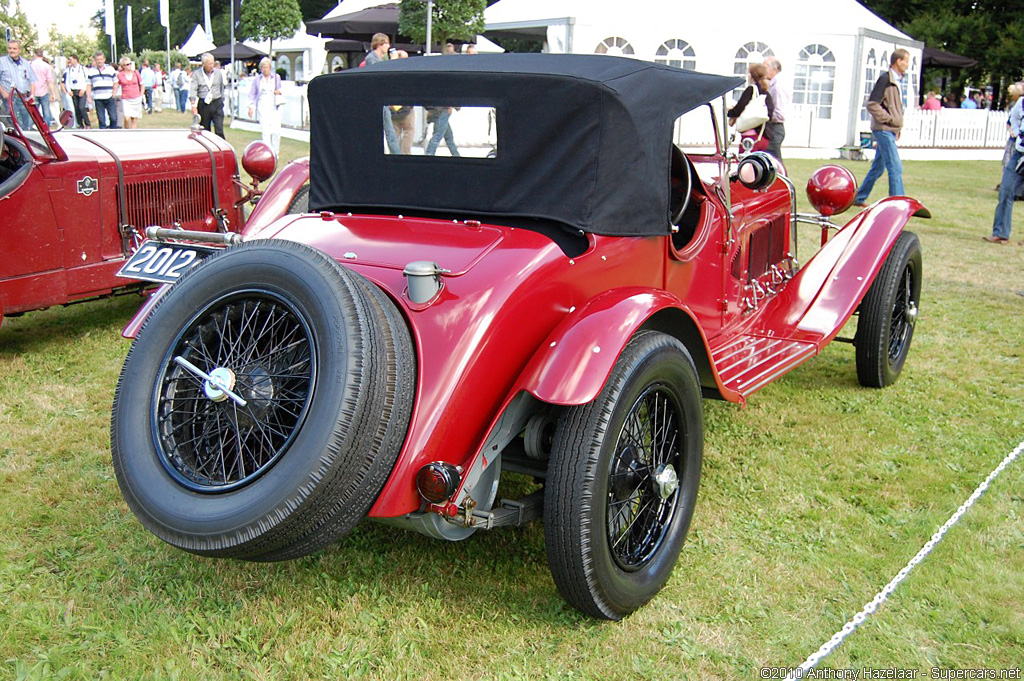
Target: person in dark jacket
{"x":885,"y":104}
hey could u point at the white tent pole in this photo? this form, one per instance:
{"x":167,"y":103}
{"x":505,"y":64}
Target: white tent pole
{"x":231,"y":72}
{"x":430,"y":17}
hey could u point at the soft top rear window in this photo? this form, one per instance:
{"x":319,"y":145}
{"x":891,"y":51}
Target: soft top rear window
{"x":452,"y":131}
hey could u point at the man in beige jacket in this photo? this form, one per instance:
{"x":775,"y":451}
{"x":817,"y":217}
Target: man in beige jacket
{"x":885,"y":104}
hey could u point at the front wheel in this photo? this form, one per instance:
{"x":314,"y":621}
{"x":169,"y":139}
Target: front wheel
{"x":888,"y":314}
{"x":623,"y":478}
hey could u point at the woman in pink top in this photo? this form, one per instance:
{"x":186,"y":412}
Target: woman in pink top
{"x":129,"y":82}
{"x":931,"y":102}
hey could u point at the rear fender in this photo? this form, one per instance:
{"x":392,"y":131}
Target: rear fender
{"x":827,"y":290}
{"x":574,"y":362}
{"x":279,"y":193}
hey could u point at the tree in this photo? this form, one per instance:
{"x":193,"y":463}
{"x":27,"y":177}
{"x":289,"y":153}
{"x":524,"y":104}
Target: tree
{"x":316,"y":9}
{"x":270,"y":19}
{"x":986,"y":30}
{"x":149,"y":34}
{"x":13,"y":18}
{"x":452,"y":20}
{"x":82,"y":45}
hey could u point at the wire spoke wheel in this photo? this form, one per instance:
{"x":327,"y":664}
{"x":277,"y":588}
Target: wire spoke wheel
{"x":264,"y":347}
{"x":623,"y":478}
{"x":888,"y":315}
{"x":904,"y":314}
{"x":640,"y":509}
{"x":263,"y":403}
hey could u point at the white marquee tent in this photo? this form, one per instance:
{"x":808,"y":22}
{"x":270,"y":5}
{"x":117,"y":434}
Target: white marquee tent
{"x":301,"y":57}
{"x":831,"y":53}
{"x":197,"y":43}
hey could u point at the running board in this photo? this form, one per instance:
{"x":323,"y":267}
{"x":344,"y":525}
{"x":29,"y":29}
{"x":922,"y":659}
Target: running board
{"x":748,"y":363}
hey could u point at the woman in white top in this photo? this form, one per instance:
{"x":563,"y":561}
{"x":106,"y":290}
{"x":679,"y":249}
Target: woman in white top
{"x":262,"y":101}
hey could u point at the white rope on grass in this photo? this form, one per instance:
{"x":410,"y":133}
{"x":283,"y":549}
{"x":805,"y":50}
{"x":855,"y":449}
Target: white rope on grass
{"x":883,"y":595}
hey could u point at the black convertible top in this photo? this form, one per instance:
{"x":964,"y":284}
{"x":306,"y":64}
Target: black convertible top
{"x":584,"y":140}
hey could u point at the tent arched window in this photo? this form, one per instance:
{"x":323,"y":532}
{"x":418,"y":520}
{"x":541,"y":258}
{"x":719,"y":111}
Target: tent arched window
{"x":815,"y":79}
{"x":284,"y":63}
{"x":337,"y":63}
{"x":300,"y":67}
{"x":614,"y":45}
{"x":870,"y":76}
{"x":909,"y":84}
{"x":753,"y":52}
{"x":678,"y":53}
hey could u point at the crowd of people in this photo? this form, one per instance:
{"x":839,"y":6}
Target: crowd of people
{"x":99,"y":94}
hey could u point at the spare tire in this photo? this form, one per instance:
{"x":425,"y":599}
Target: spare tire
{"x":263,"y":404}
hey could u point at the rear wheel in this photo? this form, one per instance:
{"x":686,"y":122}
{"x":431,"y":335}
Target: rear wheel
{"x":623,"y":478}
{"x":300,"y":204}
{"x":262,"y":405}
{"x":888,"y":315}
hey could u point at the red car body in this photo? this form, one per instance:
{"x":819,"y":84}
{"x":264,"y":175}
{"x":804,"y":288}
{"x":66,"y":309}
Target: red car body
{"x":534,"y":324}
{"x":74,"y":202}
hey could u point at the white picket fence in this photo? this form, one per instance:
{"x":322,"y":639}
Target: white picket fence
{"x":942,"y":129}
{"x":954,"y":128}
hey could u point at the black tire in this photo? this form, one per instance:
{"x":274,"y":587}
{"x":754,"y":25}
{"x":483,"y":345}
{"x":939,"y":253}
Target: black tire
{"x":398,"y":369}
{"x":888,"y":315}
{"x":597,"y":471}
{"x":328,"y":404}
{"x":300,"y":204}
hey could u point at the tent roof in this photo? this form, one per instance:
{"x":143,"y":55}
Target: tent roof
{"x":845,"y":17}
{"x":349,"y":6}
{"x":300,"y":41}
{"x":197,"y":43}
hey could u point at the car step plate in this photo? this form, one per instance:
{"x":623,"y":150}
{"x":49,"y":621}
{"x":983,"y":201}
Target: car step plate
{"x":163,"y":262}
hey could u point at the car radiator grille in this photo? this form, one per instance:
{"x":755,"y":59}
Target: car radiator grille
{"x":767,"y":247}
{"x":163,"y":202}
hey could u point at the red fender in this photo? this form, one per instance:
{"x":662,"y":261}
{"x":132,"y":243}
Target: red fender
{"x":574,"y":362}
{"x":278,"y":194}
{"x":817,"y":302}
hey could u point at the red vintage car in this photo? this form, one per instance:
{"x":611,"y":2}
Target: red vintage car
{"x":536,"y":280}
{"x":74,"y":203}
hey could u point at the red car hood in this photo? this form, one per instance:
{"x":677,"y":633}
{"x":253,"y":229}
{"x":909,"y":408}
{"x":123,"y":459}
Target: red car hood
{"x":172,"y":148}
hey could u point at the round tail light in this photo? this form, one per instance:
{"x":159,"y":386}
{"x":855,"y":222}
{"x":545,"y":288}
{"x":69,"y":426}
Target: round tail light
{"x":438,"y":481}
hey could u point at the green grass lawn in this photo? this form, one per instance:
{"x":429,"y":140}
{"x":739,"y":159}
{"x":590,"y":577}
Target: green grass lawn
{"x":813,"y":497}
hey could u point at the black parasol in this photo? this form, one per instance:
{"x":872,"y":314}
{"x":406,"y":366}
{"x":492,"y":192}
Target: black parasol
{"x":242,"y":51}
{"x":357,"y":25}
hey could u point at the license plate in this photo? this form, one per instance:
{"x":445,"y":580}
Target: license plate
{"x":163,"y":263}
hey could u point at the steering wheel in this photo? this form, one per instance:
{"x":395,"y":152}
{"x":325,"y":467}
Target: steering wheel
{"x":680,"y":160}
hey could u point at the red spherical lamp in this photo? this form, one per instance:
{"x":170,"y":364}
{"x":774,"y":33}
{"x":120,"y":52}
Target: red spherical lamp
{"x":831,"y":189}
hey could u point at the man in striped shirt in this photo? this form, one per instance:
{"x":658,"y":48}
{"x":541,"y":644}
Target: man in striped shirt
{"x":100,"y":90}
